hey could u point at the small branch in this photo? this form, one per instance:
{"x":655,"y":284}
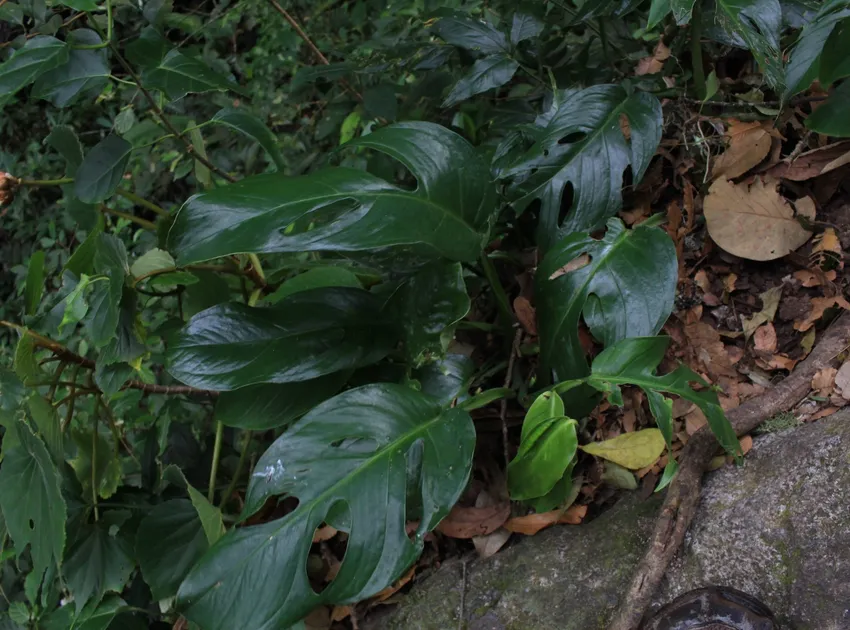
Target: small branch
{"x":219,"y":435}
{"x":318,"y":53}
{"x":71,"y":399}
{"x":56,"y":377}
{"x":38,"y":183}
{"x":683,"y":495}
{"x":696,"y":51}
{"x":141,"y":201}
{"x":108,"y":39}
{"x":142,"y":223}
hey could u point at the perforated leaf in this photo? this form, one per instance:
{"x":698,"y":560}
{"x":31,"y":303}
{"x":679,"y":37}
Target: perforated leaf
{"x":447,"y":215}
{"x":350,"y":461}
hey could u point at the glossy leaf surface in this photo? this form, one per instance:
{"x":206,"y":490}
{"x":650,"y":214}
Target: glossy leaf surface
{"x":447,"y":215}
{"x":102,"y":168}
{"x":580,"y":142}
{"x":487,"y":73}
{"x":38,"y":55}
{"x":353,"y":457}
{"x":307,"y":335}
{"x":177,"y":75}
{"x":472,"y":34}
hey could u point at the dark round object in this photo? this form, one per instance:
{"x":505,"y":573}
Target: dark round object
{"x":712,"y":608}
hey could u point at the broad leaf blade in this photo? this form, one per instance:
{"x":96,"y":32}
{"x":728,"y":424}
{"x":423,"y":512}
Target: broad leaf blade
{"x":350,"y":452}
{"x":85,"y":72}
{"x":254,"y":128}
{"x":758,"y":24}
{"x":545,"y":453}
{"x":524,"y":26}
{"x":305,"y":336}
{"x":98,"y":563}
{"x":447,"y":215}
{"x":177,"y":75}
{"x":472,"y":34}
{"x":580,"y":141}
{"x":64,"y":140}
{"x":487,"y":73}
{"x":803,"y":64}
{"x":314,"y":279}
{"x":102,"y":169}
{"x":634,"y":450}
{"x":40,"y":54}
{"x":626,"y":289}
{"x":831,"y":117}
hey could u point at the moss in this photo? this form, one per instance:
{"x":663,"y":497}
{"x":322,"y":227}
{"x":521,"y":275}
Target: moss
{"x":780,"y":422}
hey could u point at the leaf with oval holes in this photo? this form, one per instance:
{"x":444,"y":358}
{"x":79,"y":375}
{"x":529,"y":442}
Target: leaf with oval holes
{"x":252,"y":127}
{"x":634,"y":361}
{"x":348,"y":461}
{"x":753,"y":221}
{"x":304,"y":336}
{"x":625,"y":289}
{"x":102,"y":169}
{"x":37,"y":56}
{"x":580,"y":142}
{"x":448,"y":215}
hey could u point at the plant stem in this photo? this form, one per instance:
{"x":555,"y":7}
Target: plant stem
{"x":239,"y":466}
{"x":37,"y":183}
{"x":94,"y":468}
{"x":219,"y":434}
{"x":696,"y":51}
{"x":506,"y":313}
{"x":108,"y":38}
{"x":143,"y":223}
{"x":56,"y":377}
{"x":255,"y":262}
{"x":141,"y":201}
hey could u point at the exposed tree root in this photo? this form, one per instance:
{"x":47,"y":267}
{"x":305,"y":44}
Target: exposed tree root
{"x":683,"y":495}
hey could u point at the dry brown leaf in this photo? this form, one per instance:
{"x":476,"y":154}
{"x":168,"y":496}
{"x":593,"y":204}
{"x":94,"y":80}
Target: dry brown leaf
{"x":809,"y":278}
{"x":823,"y":413}
{"x":819,"y":306}
{"x":729,"y":282}
{"x":391,"y":590}
{"x":754,"y":221}
{"x":764,"y":338}
{"x":842,"y":380}
{"x":653,"y":64}
{"x":468,"y":522}
{"x":708,"y":353}
{"x":488,"y":545}
{"x":526,"y":314}
{"x":815,"y":162}
{"x":318,"y":619}
{"x":533,"y":523}
{"x":749,"y":144}
{"x":576,"y":263}
{"x":694,"y":420}
{"x":826,"y":250}
{"x":746,"y":443}
{"x":824,"y":380}
{"x":341,"y":612}
{"x":324,"y":533}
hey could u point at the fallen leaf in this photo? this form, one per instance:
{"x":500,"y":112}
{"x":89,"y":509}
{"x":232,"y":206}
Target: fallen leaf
{"x":630,"y":450}
{"x":749,"y":144}
{"x":391,"y":590}
{"x":754,"y":221}
{"x":769,"y":305}
{"x":842,"y":380}
{"x":824,"y":380}
{"x":468,"y":522}
{"x":808,"y":341}
{"x":813,"y":163}
{"x":324,"y":533}
{"x":488,"y":545}
{"x":653,"y":64}
{"x":707,"y":352}
{"x":809,"y":278}
{"x":826,"y":251}
{"x":819,"y":306}
{"x":533,"y":523}
{"x":746,"y":443}
{"x":694,"y":420}
{"x":526,"y":314}
{"x":764,"y":338}
{"x":729,"y":282}
{"x":341,"y":612}
{"x":823,"y":413}
{"x":777,"y":362}
{"x":583,"y":260}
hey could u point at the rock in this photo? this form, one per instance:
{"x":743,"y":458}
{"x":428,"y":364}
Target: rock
{"x":777,"y":528}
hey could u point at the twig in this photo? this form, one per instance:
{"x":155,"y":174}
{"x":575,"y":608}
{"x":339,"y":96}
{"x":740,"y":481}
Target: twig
{"x":503,"y":410}
{"x":238,"y":473}
{"x":142,"y":223}
{"x":141,"y":201}
{"x":684,"y":492}
{"x":318,"y":53}
{"x":800,"y":100}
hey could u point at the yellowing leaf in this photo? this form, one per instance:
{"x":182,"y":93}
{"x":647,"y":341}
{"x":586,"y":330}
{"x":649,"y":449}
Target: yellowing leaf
{"x":754,"y":221}
{"x":630,"y":450}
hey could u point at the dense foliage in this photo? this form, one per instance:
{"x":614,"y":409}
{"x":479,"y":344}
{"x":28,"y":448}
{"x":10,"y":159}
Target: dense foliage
{"x":243,"y":241}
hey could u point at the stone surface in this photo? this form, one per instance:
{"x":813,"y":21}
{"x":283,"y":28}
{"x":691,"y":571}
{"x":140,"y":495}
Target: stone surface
{"x":777,"y":528}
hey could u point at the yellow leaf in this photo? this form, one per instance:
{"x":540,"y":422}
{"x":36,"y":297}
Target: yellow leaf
{"x":630,"y":450}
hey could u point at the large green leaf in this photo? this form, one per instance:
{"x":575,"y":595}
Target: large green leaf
{"x":803,"y":64}
{"x":274,"y":405}
{"x":65,"y":141}
{"x":473,"y":34}
{"x":447,"y":215}
{"x":38,"y":55}
{"x":85,"y":72}
{"x":31,"y":499}
{"x":428,"y":305}
{"x":177,"y":75}
{"x":524,"y":26}
{"x":626,"y":289}
{"x":102,"y":169}
{"x":314,"y":279}
{"x":35,"y":282}
{"x":831,"y":117}
{"x":487,"y":73}
{"x":307,"y":335}
{"x":682,"y":10}
{"x":104,"y":301}
{"x":634,"y":361}
{"x":254,"y":128}
{"x":835,"y":59}
{"x":99,"y":562}
{"x":170,"y":540}
{"x":579,"y":141}
{"x":446,"y":379}
{"x":348,"y":461}
{"x":756,"y":25}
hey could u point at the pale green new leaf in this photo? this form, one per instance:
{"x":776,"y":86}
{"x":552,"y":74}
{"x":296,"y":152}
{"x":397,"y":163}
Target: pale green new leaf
{"x":349,"y":462}
{"x":547,"y":405}
{"x":487,"y":73}
{"x":48,"y":426}
{"x":314,"y":279}
{"x":254,"y":128}
{"x":448,"y":215}
{"x":634,"y":450}
{"x":545,"y":453}
{"x":153,"y":260}
{"x":25,"y":363}
{"x":38,"y":55}
{"x":579,"y":141}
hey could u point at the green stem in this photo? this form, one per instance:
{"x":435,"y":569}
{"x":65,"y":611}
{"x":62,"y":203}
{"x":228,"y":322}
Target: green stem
{"x":239,"y":466}
{"x":219,"y":434}
{"x":255,"y":262}
{"x":108,"y":38}
{"x":696,"y":51}
{"x":506,"y":313}
{"x":143,"y":223}
{"x":141,"y":201}
{"x":94,"y":469}
{"x":130,"y":83}
{"x":36,"y":183}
